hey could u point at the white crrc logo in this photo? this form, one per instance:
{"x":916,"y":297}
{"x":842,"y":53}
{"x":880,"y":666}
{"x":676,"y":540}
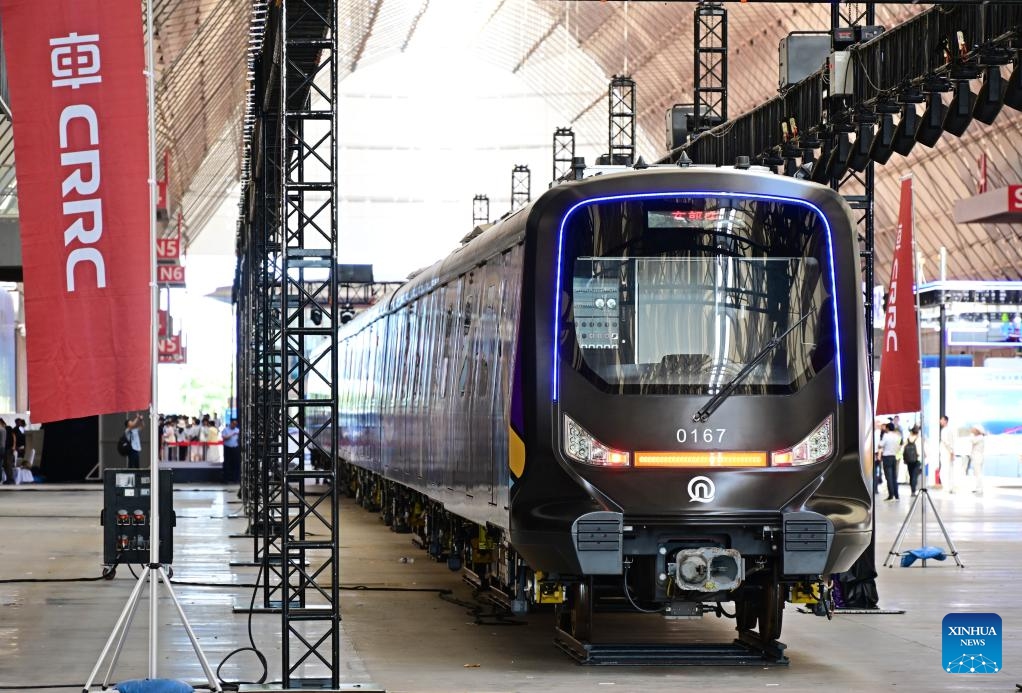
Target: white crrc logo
{"x":701,"y":490}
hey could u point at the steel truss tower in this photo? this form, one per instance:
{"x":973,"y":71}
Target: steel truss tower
{"x":287,"y":362}
{"x":857,"y":186}
{"x":306,"y":52}
{"x":564,"y":153}
{"x":710,"y":76}
{"x":480,"y":210}
{"x":521,"y":186}
{"x":621,"y":126}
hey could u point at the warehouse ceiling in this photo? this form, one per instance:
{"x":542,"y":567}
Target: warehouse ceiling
{"x":564,"y":54}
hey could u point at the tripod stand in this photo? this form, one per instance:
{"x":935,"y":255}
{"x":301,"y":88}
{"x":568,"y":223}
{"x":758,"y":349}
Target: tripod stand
{"x":154,"y":572}
{"x":920,"y":501}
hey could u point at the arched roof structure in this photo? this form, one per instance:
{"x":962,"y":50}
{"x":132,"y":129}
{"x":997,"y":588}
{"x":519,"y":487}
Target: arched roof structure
{"x":566,"y":51}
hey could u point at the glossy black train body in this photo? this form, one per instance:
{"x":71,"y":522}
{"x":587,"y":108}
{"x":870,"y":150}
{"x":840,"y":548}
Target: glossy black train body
{"x":648,"y":381}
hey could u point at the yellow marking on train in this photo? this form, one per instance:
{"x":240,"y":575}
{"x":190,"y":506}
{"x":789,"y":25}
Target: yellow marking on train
{"x":515,"y":453}
{"x":700,"y":459}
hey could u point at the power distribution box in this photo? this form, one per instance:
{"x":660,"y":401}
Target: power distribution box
{"x":126,"y":516}
{"x":801,"y":54}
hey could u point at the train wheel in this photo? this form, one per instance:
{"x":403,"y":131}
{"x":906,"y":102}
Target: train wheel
{"x":771,"y":611}
{"x":577,"y":614}
{"x":746,"y":612}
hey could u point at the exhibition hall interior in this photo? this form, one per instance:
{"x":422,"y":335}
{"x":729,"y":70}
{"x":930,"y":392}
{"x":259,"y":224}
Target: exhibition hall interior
{"x":510,"y":345}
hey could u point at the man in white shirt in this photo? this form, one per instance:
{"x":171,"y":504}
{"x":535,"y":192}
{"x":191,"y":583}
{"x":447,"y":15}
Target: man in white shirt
{"x":890,"y":443}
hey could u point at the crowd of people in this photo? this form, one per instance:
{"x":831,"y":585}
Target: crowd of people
{"x":191,"y":438}
{"x":895,"y":447}
{"x":200,"y":439}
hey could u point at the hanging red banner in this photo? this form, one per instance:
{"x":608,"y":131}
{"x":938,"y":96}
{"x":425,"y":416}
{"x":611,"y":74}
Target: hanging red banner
{"x":170,"y":275}
{"x":898,"y":390}
{"x":78,"y":94}
{"x":171,"y":350}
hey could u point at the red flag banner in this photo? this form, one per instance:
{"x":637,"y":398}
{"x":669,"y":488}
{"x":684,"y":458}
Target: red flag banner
{"x":898,"y":390}
{"x":78,"y":95}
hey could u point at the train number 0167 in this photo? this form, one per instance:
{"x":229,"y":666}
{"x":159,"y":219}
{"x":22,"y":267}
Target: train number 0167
{"x":701,"y":435}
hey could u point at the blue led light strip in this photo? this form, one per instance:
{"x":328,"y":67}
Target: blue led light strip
{"x":555,"y":389}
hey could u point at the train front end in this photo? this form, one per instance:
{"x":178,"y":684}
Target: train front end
{"x":699,"y":422}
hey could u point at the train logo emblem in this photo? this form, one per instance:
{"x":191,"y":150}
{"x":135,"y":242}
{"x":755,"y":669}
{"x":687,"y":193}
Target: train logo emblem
{"x":701,"y":489}
{"x":971,"y":643}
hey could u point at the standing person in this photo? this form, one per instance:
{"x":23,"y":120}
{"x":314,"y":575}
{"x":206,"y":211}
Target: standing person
{"x":169,"y":439}
{"x":10,"y":448}
{"x":910,"y":453}
{"x":131,"y":428}
{"x":890,"y":442}
{"x":976,"y":456}
{"x":947,"y":453}
{"x":182,"y":439}
{"x":194,"y":449}
{"x":204,"y":437}
{"x":232,"y":453}
{"x":19,"y":446}
{"x":8,"y":469}
{"x":212,"y":438}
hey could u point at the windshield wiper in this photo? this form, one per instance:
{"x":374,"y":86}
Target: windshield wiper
{"x":723,"y":393}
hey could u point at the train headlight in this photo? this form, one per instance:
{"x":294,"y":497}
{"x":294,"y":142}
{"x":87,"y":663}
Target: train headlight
{"x":581,"y":446}
{"x":817,"y":446}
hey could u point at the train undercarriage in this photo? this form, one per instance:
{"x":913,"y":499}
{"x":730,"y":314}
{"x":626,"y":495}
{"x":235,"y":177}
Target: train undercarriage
{"x":501,"y":577}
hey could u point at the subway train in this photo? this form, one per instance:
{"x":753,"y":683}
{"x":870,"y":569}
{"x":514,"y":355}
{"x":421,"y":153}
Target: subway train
{"x":646,"y":390}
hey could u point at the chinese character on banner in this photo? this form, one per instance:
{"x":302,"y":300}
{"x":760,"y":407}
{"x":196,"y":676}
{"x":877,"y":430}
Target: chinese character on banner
{"x":75,"y":60}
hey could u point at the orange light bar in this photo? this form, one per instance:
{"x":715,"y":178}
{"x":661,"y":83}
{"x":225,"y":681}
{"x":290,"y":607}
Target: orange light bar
{"x":700,"y":459}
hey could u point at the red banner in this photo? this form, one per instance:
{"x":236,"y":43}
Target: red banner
{"x":898,"y":390}
{"x":168,"y":249}
{"x":171,"y":350}
{"x":75,"y":70}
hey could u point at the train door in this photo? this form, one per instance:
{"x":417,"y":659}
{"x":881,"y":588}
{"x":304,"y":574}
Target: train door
{"x":392,"y":333}
{"x":431,"y":391}
{"x":510,"y":307}
{"x":370,"y":440}
{"x":421,"y":394}
{"x":497,"y":458}
{"x":466,"y":384}
{"x":482,"y":400}
{"x":407,"y":363}
{"x":451,"y":413}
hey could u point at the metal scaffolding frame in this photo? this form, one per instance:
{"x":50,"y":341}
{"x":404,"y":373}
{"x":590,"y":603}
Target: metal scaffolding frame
{"x":287,"y":248}
{"x":564,"y":153}
{"x":710,"y":74}
{"x":306,"y":52}
{"x":621,"y":120}
{"x":521,"y":186}
{"x":480,"y":210}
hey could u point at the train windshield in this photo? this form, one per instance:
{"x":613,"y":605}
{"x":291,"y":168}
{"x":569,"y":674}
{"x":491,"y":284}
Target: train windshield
{"x":678,"y":295}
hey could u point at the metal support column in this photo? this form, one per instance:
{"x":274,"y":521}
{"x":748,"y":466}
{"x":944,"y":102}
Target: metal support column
{"x":621,"y":126}
{"x":710,"y":76}
{"x":310,"y":608}
{"x":564,"y":153}
{"x":856,"y":186}
{"x":480,"y":210}
{"x":521,"y":186}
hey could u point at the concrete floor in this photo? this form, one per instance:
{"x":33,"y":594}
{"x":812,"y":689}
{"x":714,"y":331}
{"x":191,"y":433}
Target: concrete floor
{"x":52,"y":633}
